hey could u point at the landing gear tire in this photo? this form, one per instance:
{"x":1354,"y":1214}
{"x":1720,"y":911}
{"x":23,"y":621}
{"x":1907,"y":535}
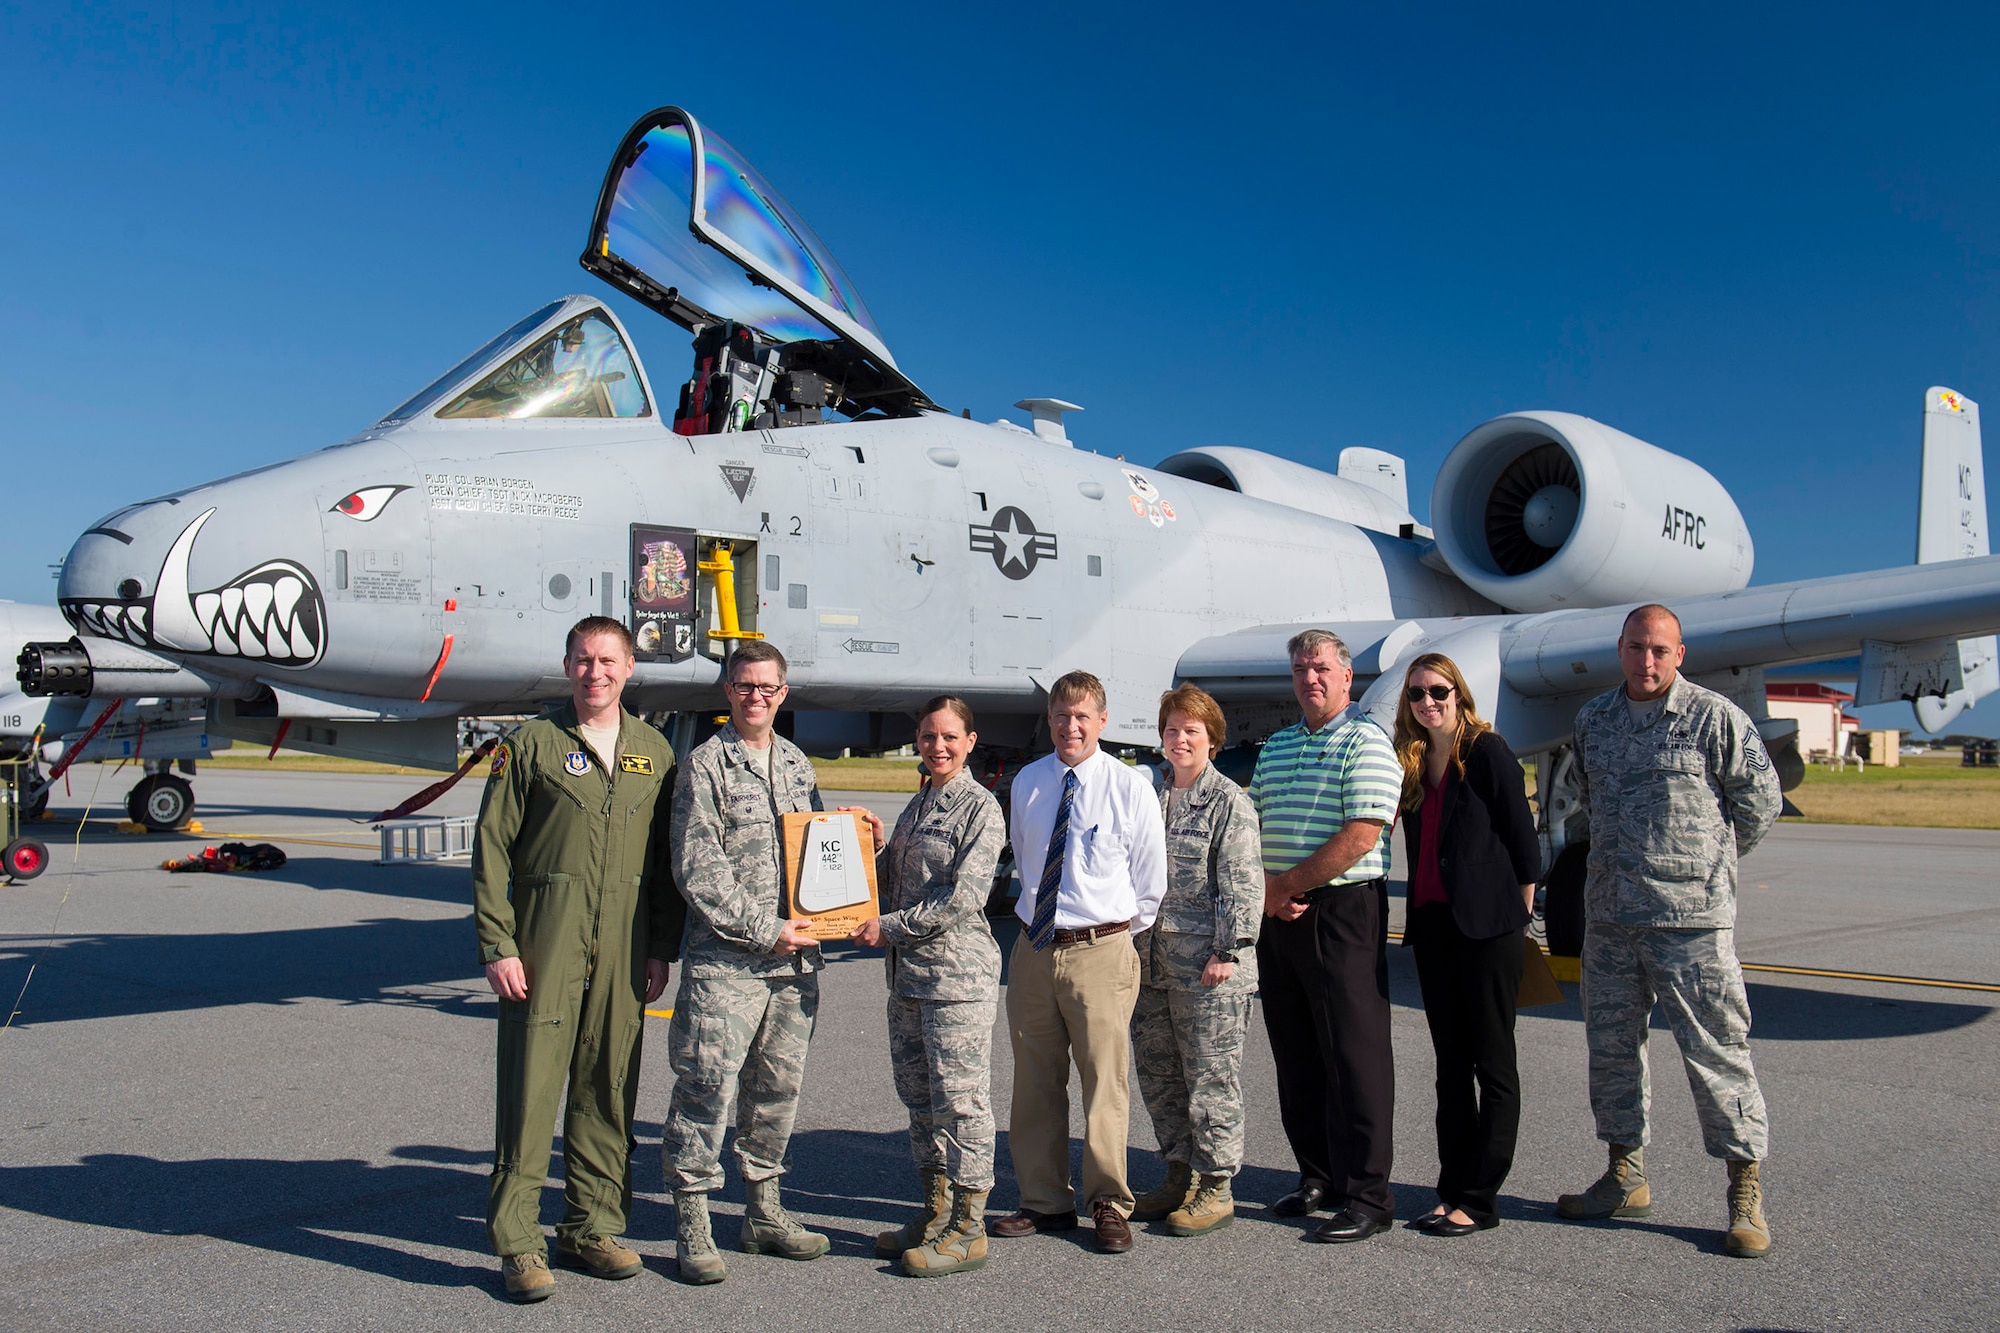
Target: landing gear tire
{"x":162,"y":802}
{"x":37,"y":807}
{"x":24,"y":859}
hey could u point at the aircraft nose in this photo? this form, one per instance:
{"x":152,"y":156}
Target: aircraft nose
{"x":138,"y":577}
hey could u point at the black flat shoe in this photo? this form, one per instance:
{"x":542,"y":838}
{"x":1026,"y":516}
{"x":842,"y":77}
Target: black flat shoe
{"x":1345,"y":1227}
{"x":1446,"y":1227}
{"x":1427,"y":1221}
{"x":1308,"y":1198}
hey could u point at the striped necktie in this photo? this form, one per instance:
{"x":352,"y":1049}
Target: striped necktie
{"x":1042,"y":931}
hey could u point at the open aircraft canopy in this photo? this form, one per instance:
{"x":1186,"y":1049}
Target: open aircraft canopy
{"x":720,"y":243}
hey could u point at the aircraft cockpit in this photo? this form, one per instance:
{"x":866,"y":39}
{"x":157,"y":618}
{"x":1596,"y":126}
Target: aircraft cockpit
{"x":781,"y":335}
{"x":580,"y":367}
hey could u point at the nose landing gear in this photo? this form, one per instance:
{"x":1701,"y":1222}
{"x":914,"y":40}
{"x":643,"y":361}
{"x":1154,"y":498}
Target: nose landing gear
{"x":162,"y":802}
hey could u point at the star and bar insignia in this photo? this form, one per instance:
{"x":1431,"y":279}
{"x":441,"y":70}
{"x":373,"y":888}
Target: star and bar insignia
{"x":1013,"y":542}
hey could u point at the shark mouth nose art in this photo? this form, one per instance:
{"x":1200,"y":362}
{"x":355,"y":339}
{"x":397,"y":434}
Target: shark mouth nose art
{"x":273,"y":613}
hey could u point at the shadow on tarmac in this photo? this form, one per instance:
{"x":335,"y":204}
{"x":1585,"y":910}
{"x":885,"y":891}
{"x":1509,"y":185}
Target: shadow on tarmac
{"x":368,"y":962}
{"x":397,"y":1208}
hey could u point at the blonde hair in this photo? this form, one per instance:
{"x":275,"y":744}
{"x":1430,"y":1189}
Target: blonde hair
{"x":1413,"y":743}
{"x":1199,"y":706}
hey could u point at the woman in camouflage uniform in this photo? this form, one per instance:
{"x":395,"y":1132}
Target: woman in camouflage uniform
{"x":1197,"y":971}
{"x":944,"y":992}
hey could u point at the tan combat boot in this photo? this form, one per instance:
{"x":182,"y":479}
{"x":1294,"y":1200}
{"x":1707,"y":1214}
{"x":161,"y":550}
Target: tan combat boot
{"x":1210,"y":1208}
{"x":1166,"y":1196}
{"x":603,"y":1257}
{"x":925,"y":1226}
{"x":961,"y":1246}
{"x":694,"y":1242}
{"x":769,"y":1229}
{"x":1620,"y":1192}
{"x":528,"y":1278}
{"x":1749,"y":1235}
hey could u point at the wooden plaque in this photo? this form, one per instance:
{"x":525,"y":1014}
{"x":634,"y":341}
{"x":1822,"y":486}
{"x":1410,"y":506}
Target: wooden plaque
{"x":830,"y":872}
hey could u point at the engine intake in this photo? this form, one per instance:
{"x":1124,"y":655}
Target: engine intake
{"x":1542,"y":510}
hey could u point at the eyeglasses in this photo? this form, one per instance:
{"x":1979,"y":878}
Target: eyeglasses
{"x":1415,"y":694}
{"x":746,"y":690}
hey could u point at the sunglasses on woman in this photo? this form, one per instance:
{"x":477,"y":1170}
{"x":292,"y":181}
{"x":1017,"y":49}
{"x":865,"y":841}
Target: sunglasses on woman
{"x":1415,"y":694}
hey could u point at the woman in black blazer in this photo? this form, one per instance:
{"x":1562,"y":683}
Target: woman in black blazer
{"x":1473,"y":861}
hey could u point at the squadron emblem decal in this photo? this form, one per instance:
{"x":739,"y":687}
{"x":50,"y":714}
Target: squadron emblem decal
{"x":1146,"y":500}
{"x":1014,"y":543}
{"x":576,"y":763}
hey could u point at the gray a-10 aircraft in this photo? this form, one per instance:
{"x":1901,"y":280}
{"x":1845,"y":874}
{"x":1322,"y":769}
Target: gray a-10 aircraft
{"x":799,"y":487}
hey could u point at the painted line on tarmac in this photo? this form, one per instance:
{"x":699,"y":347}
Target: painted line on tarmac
{"x":1837,"y":975}
{"x":282,"y":837}
{"x":1871,"y":976}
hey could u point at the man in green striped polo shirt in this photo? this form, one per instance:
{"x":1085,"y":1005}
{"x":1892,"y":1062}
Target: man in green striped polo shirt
{"x":1326,"y":791}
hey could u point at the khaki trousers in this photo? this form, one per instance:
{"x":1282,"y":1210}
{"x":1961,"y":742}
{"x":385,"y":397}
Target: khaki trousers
{"x":1071,"y":1001}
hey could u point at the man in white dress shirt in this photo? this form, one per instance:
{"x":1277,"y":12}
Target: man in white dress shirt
{"x":1092,"y":854}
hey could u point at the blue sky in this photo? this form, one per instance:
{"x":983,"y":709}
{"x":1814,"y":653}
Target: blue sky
{"x":1750,"y":234}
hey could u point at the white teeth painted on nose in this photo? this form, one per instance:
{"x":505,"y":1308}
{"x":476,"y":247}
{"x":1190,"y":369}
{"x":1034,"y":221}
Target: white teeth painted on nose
{"x":256,"y":601}
{"x":138,"y":617}
{"x":285,"y":596}
{"x":248,"y":639}
{"x":207,"y":610}
{"x":302,"y":644}
{"x":232,"y":604}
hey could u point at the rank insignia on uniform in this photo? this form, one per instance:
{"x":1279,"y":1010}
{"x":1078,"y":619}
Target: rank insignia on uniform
{"x":576,"y":762}
{"x":636,"y":763}
{"x":500,"y":757}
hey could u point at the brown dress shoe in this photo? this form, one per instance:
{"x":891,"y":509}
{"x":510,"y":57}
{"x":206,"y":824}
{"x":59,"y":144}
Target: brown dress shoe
{"x":1027,"y":1222}
{"x":1114,"y":1233}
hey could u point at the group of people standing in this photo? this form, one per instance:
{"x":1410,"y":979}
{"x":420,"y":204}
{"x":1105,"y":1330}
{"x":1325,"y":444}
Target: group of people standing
{"x":1149,"y":917}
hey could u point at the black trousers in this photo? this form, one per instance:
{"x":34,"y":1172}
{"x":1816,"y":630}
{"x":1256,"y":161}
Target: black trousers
{"x":1325,"y":985}
{"x":1469,"y":991}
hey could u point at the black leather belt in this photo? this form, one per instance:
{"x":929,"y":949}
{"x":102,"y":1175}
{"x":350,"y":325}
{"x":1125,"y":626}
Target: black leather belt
{"x":1088,"y":933}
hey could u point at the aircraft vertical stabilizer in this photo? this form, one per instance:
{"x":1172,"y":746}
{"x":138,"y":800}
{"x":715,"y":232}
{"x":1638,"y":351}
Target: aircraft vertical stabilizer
{"x":1951,"y":525}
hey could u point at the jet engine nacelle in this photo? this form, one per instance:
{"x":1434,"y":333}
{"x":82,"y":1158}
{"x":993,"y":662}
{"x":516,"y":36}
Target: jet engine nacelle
{"x":1543,"y":510}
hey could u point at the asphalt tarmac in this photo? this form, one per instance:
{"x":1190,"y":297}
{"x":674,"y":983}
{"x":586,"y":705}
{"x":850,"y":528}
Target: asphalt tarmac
{"x":264,"y":1101}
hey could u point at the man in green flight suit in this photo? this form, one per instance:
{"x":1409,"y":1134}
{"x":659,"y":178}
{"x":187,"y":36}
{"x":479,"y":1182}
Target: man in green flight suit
{"x":578,"y":919}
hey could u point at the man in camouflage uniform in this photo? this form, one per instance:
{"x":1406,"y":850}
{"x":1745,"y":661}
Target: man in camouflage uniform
{"x":577,"y":921}
{"x":1679,"y":786}
{"x":749,"y":990}
{"x":1197,"y":972}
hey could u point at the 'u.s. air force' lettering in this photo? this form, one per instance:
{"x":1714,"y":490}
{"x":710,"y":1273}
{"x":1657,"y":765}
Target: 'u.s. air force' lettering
{"x":1013,"y":542}
{"x":1686,"y":527}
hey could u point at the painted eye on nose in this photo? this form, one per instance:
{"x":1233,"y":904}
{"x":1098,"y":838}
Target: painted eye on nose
{"x":367,"y":502}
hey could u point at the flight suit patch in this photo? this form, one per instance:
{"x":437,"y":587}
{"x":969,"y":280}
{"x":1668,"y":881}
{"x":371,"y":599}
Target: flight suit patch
{"x":636,"y":763}
{"x":501,"y":754}
{"x":576,"y":763}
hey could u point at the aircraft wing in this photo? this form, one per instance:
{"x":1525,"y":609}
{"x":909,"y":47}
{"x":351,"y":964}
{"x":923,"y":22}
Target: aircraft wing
{"x":1529,"y":672}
